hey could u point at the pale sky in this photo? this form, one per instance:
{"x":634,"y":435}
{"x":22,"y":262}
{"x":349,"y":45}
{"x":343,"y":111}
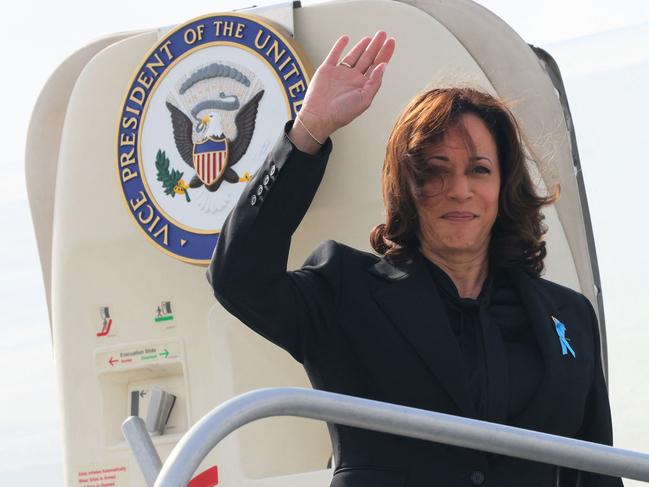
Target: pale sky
{"x":606,"y":72}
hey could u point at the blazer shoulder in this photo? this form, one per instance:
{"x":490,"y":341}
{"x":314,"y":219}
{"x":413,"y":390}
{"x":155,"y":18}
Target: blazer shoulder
{"x":556,"y":296}
{"x":565,"y":296}
{"x":331,"y":251}
{"x":334,"y":257}
{"x":560,"y":291}
{"x":329,"y":269}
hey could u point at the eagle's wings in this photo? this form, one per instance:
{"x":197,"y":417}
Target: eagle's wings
{"x":245,"y":122}
{"x":182,"y":125}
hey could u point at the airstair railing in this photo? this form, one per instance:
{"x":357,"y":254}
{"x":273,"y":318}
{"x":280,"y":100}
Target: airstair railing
{"x":194,"y":446}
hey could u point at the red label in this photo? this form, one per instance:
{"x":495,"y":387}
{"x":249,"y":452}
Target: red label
{"x":101,"y":477}
{"x":208,"y":478}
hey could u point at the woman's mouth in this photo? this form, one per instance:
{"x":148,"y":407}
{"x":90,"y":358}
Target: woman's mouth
{"x":459,"y":216}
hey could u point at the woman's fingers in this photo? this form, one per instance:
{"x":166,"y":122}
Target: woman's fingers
{"x":367,"y":53}
{"x":352,"y":56}
{"x":333,"y":96}
{"x":384,"y":56}
{"x":369,"y":56}
{"x":336,"y":50}
{"x":373,"y":83}
{"x":386,"y":52}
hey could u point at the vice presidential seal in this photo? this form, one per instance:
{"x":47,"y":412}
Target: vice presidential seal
{"x":198,"y":119}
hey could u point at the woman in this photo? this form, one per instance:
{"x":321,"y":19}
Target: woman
{"x":453,"y":316}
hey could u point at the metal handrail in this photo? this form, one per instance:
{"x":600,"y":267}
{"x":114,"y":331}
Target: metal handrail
{"x":379,"y":416}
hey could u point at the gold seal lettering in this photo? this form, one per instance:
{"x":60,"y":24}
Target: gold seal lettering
{"x":129,"y":123}
{"x":274,"y":47}
{"x":228,"y":27}
{"x":124,"y":139}
{"x":152,"y":65}
{"x":165,"y":48}
{"x":224,"y":28}
{"x":135,"y":204}
{"x":137,"y":96}
{"x":258,"y":45}
{"x":127,"y":174}
{"x":134,"y":111}
{"x":284,"y":63}
{"x":293,"y":71}
{"x":126,"y":159}
{"x":155,"y":222}
{"x":145,"y":80}
{"x":145,"y":220}
{"x":165,"y":232}
{"x":297,"y":105}
{"x":239,"y":32}
{"x":193,"y":35}
{"x":298,"y":87}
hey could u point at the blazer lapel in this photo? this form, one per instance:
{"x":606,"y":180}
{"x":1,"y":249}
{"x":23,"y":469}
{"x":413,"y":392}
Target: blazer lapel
{"x":416,"y":310}
{"x":539,"y":309}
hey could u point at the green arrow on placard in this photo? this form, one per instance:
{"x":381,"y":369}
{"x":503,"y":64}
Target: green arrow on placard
{"x":165,"y":354}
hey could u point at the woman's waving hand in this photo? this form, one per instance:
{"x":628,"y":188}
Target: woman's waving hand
{"x":341,"y":89}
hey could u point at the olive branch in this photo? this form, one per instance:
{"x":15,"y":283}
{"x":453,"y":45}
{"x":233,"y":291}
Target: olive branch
{"x":172,"y":182}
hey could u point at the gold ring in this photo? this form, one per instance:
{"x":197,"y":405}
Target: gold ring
{"x":346,"y":64}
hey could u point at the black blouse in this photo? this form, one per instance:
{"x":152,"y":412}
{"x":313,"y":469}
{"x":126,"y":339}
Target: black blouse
{"x":493,"y":326}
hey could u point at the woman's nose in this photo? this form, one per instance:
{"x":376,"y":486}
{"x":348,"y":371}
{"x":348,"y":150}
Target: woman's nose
{"x":458,"y":187}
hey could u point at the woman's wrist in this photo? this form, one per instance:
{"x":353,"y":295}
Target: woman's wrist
{"x":307,"y":133}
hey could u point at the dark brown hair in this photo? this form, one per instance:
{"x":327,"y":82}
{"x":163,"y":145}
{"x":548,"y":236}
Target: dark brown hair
{"x":517,"y":233}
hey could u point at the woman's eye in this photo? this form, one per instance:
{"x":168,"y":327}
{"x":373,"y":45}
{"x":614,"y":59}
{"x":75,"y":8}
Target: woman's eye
{"x":481,"y":170}
{"x":433,"y":170}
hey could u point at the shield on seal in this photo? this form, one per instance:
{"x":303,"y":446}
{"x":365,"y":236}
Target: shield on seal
{"x":210,"y":159}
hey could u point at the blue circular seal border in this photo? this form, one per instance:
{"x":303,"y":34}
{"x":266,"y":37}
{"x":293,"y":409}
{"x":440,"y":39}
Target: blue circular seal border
{"x":184,"y":244}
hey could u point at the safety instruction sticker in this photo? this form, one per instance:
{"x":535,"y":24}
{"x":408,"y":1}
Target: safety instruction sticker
{"x":130,"y":356}
{"x":105,"y":322}
{"x":103,"y":477}
{"x":163,"y":312}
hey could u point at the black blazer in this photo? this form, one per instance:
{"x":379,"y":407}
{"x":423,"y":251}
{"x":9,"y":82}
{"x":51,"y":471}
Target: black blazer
{"x":365,"y":327}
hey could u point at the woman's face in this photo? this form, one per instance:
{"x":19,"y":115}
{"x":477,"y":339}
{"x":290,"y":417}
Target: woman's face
{"x":458,"y":207}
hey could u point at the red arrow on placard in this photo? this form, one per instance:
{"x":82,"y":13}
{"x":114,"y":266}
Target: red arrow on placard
{"x":112,"y":361}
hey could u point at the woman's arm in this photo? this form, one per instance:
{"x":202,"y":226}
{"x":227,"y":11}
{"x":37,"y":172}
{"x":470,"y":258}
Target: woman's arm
{"x":248,"y":268}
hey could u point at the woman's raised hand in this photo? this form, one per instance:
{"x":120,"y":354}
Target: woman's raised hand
{"x":342,"y":89}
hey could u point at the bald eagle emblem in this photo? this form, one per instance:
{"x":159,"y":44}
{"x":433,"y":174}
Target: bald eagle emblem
{"x":213,"y":120}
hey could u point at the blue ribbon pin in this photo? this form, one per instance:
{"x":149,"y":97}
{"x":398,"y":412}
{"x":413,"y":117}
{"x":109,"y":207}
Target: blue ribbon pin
{"x":561,"y":331}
